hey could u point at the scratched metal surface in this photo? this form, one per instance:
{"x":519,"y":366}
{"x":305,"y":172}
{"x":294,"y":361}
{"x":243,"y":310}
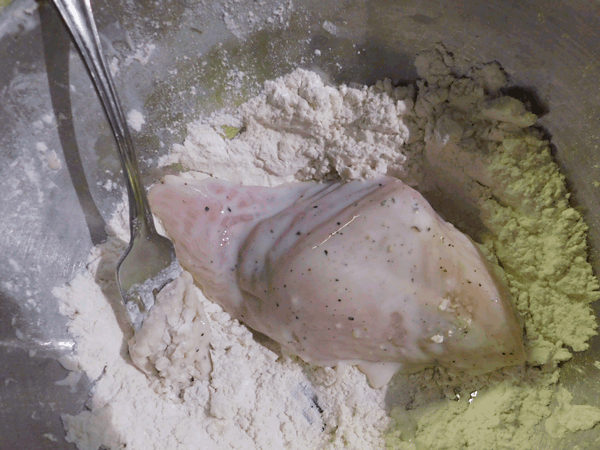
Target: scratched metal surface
{"x":51,"y":218}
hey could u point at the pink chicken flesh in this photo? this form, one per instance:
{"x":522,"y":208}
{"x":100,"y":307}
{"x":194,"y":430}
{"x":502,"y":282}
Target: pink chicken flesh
{"x":361,"y":273}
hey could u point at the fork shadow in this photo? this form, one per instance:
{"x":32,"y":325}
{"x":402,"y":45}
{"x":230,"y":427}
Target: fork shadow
{"x":56,"y":43}
{"x":57,"y":46}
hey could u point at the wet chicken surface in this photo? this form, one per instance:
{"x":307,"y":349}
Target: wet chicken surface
{"x":361,"y":273}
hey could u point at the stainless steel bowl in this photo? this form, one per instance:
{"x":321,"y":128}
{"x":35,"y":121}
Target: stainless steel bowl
{"x":179,"y":59}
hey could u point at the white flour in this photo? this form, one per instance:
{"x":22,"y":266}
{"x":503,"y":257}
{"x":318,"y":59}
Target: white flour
{"x":255,"y":398}
{"x":135,"y":119}
{"x":242,"y":17}
{"x":297,"y":129}
{"x":301,"y":129}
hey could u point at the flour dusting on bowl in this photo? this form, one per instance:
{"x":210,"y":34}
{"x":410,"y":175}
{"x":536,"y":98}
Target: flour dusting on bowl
{"x":471,"y":152}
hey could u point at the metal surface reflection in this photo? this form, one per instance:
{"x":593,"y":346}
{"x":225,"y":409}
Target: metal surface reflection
{"x":51,"y":218}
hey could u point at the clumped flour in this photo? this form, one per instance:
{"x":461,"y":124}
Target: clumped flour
{"x":470,"y":151}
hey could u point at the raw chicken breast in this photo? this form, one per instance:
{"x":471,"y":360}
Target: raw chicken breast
{"x":362,"y":273}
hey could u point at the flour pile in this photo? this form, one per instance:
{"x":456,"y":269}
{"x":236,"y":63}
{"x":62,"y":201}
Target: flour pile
{"x":301,"y":129}
{"x":254,"y":398}
{"x":470,"y":151}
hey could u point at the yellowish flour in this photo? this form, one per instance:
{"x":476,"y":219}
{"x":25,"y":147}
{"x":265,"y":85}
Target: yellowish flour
{"x":540,"y":241}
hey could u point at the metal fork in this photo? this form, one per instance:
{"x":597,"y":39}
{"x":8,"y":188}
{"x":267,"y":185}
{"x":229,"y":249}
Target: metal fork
{"x":149,"y":263}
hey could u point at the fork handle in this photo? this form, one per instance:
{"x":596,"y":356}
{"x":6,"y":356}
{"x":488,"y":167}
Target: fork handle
{"x":79,"y":19}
